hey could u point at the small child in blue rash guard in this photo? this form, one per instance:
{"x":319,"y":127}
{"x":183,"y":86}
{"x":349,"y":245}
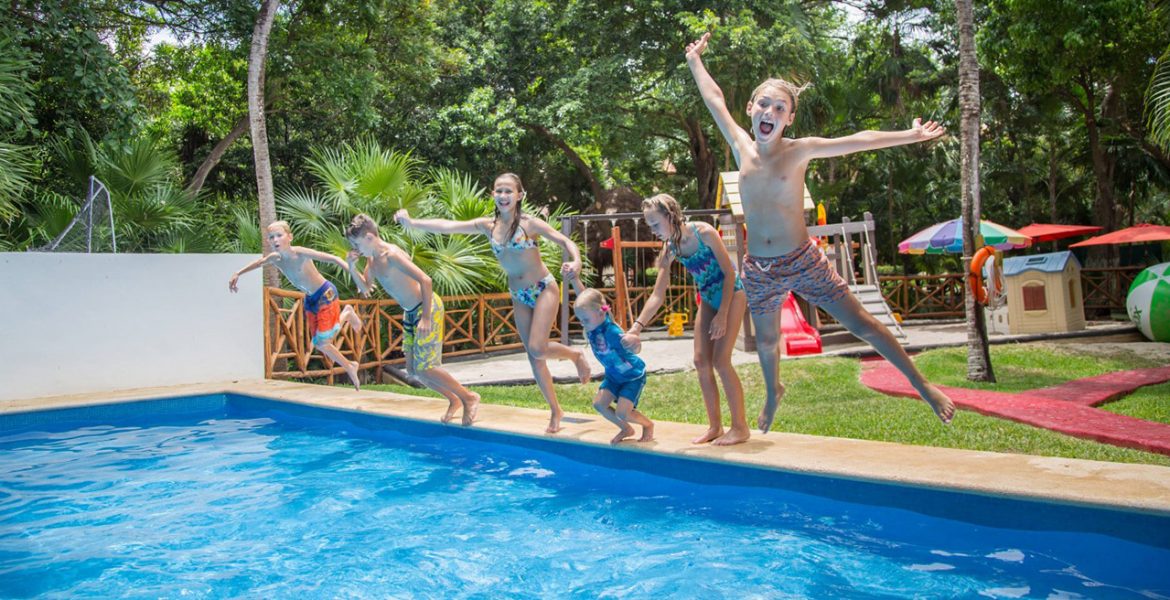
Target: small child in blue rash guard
{"x":625,"y":373}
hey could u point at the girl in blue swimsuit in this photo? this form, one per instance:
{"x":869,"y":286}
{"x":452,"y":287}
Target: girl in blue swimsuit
{"x":699,"y":248}
{"x":535,"y":295}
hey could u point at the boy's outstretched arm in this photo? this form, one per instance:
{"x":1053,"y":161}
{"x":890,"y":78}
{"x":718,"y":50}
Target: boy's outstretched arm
{"x":259,"y":262}
{"x":713,"y":96}
{"x":872,"y":140}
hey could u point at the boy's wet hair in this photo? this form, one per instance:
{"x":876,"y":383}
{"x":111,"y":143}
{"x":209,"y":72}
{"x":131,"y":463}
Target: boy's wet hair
{"x":793,"y":90}
{"x":669,"y":207}
{"x":590,"y":298}
{"x":281,"y":224}
{"x":361,"y":225}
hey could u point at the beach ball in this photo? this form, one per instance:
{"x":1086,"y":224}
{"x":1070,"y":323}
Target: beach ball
{"x":1148,"y":302}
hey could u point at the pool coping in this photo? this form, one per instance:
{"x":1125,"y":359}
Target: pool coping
{"x":1125,"y":486}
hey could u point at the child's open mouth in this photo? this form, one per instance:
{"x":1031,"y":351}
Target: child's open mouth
{"x":766,"y":127}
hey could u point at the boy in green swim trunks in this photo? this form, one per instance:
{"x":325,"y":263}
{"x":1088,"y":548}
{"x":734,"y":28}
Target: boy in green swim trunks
{"x":422,"y":342}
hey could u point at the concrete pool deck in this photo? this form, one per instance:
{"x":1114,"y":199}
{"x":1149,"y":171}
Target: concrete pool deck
{"x":1138,"y":487}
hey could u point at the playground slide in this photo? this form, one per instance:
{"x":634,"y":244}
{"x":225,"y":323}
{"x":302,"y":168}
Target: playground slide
{"x":799,"y":337}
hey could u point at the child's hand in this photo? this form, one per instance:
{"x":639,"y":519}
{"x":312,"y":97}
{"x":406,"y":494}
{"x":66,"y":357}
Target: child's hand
{"x":423,"y":329}
{"x":632,"y":342}
{"x":928,"y":130}
{"x":402,"y":217}
{"x":570,"y":270}
{"x":352,"y":257}
{"x":696,"y":48}
{"x":718,"y":325}
{"x":232,"y":284}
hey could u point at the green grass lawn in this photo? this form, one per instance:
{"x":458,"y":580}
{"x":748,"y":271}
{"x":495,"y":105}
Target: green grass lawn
{"x":826,"y":398}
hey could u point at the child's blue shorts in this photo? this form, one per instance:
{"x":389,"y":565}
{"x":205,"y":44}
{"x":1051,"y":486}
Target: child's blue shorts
{"x":630,"y":390}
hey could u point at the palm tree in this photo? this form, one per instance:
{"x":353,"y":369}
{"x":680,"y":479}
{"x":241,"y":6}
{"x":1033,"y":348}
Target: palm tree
{"x":978,"y":355}
{"x":257,"y":59}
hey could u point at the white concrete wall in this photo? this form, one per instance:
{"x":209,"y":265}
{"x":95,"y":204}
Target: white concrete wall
{"x":76,"y":323}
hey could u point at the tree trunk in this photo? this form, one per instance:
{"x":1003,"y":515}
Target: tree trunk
{"x":582,"y":167}
{"x":1104,"y":213}
{"x":216,"y":154}
{"x":978,"y":354}
{"x":257,"y":59}
{"x":706,"y":169}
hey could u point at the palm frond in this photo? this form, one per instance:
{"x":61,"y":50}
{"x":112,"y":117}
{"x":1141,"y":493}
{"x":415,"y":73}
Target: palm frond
{"x":248,"y":238}
{"x":334,"y":172}
{"x":135,"y":167}
{"x":308,"y":212}
{"x":18,"y":166}
{"x":1158,"y":102}
{"x":382,"y":174}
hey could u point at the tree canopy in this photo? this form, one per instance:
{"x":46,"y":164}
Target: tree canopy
{"x":580,"y":97}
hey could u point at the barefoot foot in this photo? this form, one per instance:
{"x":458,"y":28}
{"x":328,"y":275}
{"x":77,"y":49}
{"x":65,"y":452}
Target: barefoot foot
{"x":452,"y":408}
{"x":626,"y":432}
{"x":584,"y":372}
{"x":943,"y":406}
{"x":351,"y":369}
{"x":470,"y":409}
{"x":647,"y":433}
{"x":554,"y":422}
{"x":711,"y":434}
{"x":768,"y":411}
{"x":732,"y":437}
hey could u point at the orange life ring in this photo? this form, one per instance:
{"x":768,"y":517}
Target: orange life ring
{"x":975,"y":275}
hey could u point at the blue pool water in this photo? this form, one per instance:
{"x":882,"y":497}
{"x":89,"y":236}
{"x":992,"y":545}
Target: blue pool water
{"x":227,"y":496}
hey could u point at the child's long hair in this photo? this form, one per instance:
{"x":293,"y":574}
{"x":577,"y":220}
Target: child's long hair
{"x":518,"y":211}
{"x":668,"y":206}
{"x":591,"y":298}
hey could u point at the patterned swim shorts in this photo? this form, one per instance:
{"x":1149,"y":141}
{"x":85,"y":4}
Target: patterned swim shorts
{"x":527,"y":296}
{"x":323,"y":313}
{"x":806,"y":271}
{"x":425,"y":352}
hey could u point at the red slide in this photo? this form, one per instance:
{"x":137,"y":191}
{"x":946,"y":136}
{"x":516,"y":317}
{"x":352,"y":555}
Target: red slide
{"x":799,"y":337}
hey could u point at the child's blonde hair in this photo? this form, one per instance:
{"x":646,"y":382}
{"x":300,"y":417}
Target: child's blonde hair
{"x":281,"y":224}
{"x":591,"y":298}
{"x":669,"y":207}
{"x":793,"y":90}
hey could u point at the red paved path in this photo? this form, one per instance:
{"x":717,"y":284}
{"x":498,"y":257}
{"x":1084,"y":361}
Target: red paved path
{"x":1067,"y":408}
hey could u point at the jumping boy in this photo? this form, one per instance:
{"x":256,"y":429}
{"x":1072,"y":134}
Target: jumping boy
{"x":323,"y":314}
{"x":781,"y":258}
{"x":422,"y":340}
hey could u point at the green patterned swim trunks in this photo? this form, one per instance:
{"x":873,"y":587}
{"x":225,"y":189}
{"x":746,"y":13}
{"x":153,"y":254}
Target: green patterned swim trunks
{"x":425,"y":352}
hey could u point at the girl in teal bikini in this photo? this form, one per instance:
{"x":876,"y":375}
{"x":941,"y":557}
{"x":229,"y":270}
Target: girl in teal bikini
{"x":699,"y":248}
{"x":535,"y":295}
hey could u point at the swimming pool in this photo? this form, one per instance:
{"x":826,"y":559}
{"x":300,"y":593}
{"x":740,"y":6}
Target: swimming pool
{"x":233,"y":496}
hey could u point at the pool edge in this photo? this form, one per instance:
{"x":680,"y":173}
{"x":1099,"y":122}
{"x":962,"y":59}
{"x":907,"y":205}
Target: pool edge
{"x":1122,"y":486}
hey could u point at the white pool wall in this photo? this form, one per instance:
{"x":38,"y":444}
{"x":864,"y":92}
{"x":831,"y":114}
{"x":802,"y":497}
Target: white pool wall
{"x":78,"y":323}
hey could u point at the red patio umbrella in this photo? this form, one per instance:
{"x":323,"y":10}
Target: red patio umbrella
{"x":1046,"y":232}
{"x":1142,"y":232}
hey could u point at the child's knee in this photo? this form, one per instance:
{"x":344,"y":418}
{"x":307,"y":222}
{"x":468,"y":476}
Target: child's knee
{"x":601,"y":403}
{"x":702,"y":362}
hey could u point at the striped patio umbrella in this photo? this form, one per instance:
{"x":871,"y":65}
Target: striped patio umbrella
{"x":947,"y":238}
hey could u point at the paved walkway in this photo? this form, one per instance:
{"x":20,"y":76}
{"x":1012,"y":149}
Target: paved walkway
{"x":1068,"y":408}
